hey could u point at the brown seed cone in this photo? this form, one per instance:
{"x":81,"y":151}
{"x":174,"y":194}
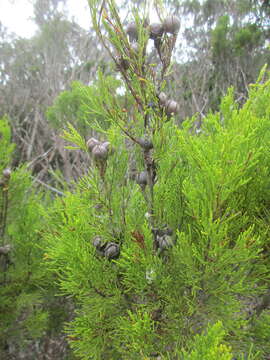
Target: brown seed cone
{"x":142,"y":178}
{"x":132,"y":31}
{"x":112,"y":250}
{"x":162,"y":97}
{"x":91,"y":143}
{"x":171,"y":25}
{"x":156,"y":31}
{"x":7,"y":173}
{"x":100,"y":152}
{"x":171,"y":107}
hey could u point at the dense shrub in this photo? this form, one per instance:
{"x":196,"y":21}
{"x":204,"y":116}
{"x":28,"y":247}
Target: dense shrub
{"x":27,"y":293}
{"x":151,"y":263}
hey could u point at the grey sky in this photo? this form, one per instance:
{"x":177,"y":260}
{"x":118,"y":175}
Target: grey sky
{"x":16,"y":15}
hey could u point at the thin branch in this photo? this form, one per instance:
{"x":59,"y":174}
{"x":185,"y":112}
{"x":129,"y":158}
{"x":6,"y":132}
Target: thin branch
{"x":4,"y":208}
{"x":48,"y":187}
{"x":39,"y":157}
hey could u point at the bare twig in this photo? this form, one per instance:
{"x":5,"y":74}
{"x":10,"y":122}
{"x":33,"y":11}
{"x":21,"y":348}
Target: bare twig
{"x":33,"y":135}
{"x":39,"y":157}
{"x":49,"y":187}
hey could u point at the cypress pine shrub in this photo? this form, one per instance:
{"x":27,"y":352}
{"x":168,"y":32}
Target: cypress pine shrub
{"x":164,"y":244}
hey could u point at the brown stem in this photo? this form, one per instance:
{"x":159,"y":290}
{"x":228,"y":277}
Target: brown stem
{"x":149,"y":166}
{"x":3,"y":215}
{"x":2,"y":208}
{"x":136,"y":97}
{"x":123,"y":71}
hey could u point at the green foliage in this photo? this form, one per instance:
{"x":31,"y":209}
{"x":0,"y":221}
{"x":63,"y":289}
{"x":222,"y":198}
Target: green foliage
{"x":6,"y":148}
{"x":234,"y":40}
{"x":207,"y":191}
{"x":26,"y":291}
{"x":81,"y":105}
{"x":208,"y":346}
{"x":212,"y":190}
{"x":247,"y":37}
{"x":73,"y":136}
{"x":23,"y":279}
{"x":136,"y":335}
{"x":67,"y":107}
{"x":219,"y":37}
{"x":261,"y":333}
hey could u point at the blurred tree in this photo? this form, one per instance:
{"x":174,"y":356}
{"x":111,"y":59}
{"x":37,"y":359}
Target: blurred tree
{"x":224,"y":43}
{"x":33,"y":72}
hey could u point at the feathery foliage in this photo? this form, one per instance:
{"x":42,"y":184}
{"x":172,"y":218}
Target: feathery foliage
{"x":151,"y":263}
